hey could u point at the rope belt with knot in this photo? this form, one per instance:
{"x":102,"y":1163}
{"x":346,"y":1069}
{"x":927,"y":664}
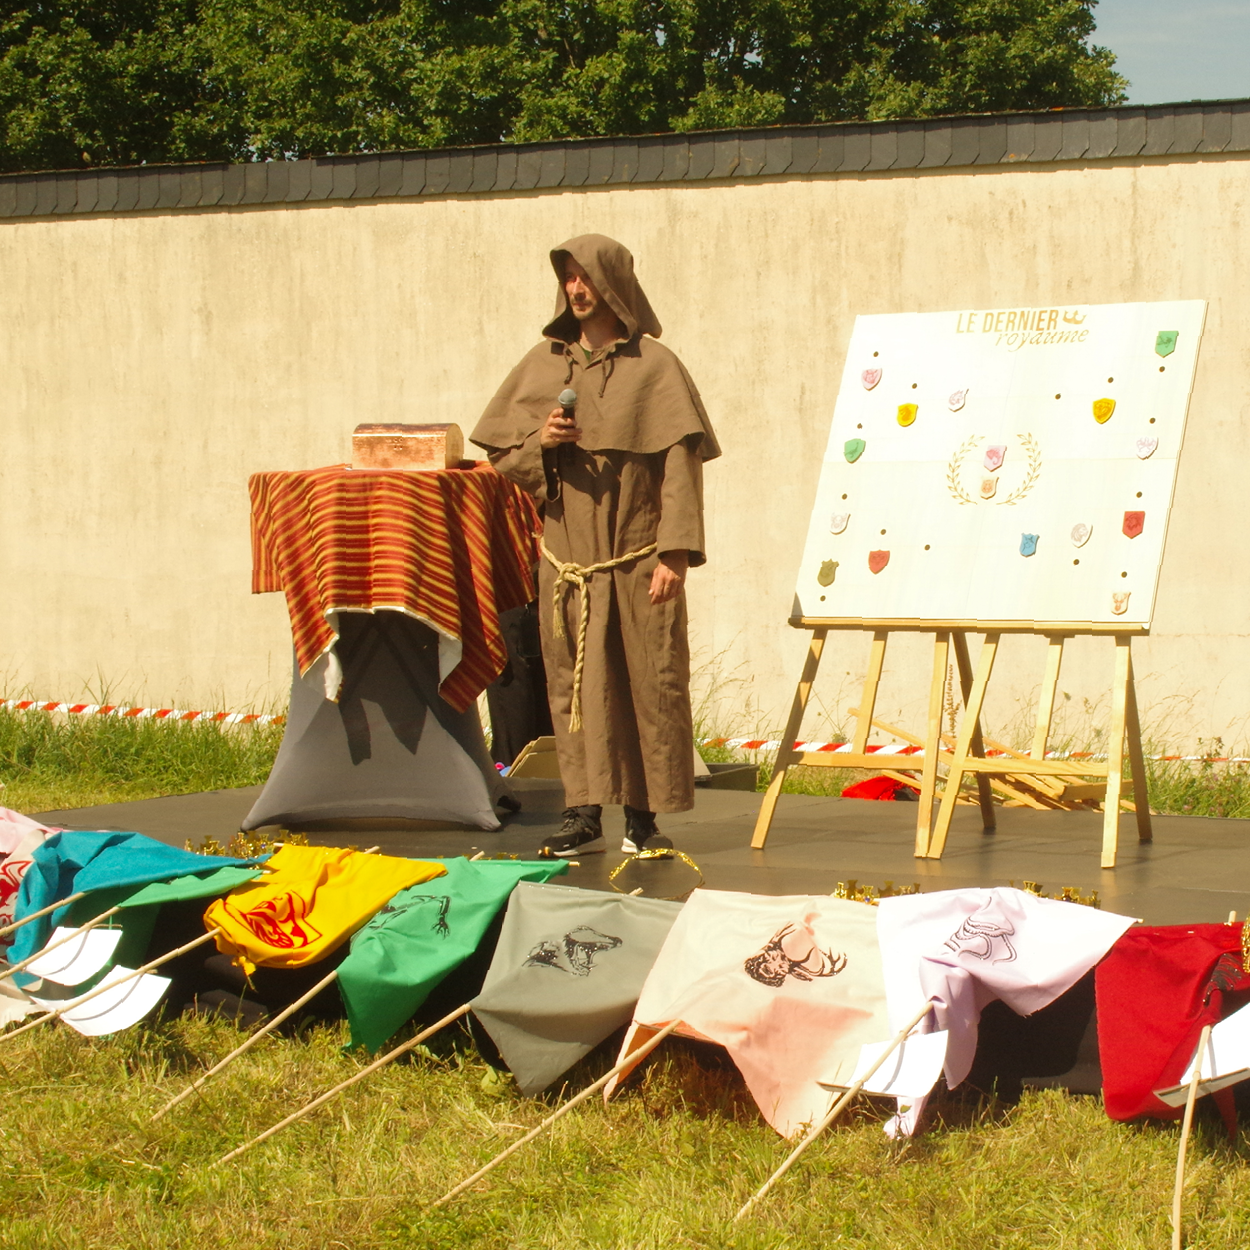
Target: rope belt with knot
{"x":570,"y":574}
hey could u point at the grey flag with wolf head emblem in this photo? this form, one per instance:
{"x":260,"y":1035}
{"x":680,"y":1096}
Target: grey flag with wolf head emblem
{"x":566,"y":974}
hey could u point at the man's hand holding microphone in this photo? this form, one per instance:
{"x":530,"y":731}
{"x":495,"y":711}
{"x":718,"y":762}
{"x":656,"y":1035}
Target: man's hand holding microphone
{"x":561,"y":424}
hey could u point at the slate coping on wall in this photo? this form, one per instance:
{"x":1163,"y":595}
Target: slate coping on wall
{"x":1168,"y":131}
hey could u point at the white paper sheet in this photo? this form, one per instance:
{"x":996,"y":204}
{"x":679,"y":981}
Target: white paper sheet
{"x":910,"y":1072}
{"x":1225,"y":1062}
{"x":117,"y":1008}
{"x":77,"y":960}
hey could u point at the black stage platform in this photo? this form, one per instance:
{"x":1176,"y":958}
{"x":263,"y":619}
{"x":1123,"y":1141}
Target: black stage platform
{"x":1197,"y":869}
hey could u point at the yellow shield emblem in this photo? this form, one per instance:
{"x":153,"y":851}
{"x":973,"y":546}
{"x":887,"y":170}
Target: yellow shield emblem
{"x":906,"y":414}
{"x":1103,"y":408}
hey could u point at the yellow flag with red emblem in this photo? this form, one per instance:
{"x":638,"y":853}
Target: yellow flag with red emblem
{"x":312,"y":899}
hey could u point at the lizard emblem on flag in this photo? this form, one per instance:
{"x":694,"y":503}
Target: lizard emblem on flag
{"x":440,"y":925}
{"x":774,"y":964}
{"x":983,"y":938}
{"x":574,"y":953}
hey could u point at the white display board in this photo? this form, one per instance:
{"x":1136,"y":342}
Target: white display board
{"x":1002,"y":465}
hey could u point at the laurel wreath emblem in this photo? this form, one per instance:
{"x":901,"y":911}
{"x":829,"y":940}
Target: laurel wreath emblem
{"x":961,"y":496}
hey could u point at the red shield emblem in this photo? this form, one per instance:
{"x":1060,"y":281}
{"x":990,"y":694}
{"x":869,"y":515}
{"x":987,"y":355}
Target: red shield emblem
{"x":870,"y":378}
{"x":877,"y":560}
{"x":1134,"y":523}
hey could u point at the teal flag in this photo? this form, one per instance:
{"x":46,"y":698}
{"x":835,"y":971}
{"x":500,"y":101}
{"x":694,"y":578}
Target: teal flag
{"x":424,"y":933}
{"x":70,"y":862}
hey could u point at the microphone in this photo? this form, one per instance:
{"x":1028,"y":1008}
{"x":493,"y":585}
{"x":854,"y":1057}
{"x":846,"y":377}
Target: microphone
{"x":567,"y":399}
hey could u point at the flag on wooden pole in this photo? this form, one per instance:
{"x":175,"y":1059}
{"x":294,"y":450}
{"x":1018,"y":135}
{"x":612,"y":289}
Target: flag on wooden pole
{"x":566,"y":973}
{"x":72,"y":863}
{"x":424,"y":933}
{"x":19,"y":835}
{"x":962,"y":949}
{"x":312,"y":899}
{"x":792,"y":987}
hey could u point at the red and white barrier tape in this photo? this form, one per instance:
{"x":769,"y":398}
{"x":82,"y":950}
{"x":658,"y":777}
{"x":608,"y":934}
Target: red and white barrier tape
{"x":141,"y":713}
{"x":897,"y":748}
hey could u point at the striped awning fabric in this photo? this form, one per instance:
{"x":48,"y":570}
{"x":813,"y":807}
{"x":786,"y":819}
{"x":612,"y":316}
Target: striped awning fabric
{"x":453,"y":548}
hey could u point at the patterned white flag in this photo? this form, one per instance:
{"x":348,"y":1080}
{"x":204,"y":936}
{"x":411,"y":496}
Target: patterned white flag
{"x":792,"y":987}
{"x":964,"y":948}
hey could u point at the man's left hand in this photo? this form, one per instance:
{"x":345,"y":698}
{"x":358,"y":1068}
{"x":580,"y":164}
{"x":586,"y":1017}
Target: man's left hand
{"x":669,"y":575}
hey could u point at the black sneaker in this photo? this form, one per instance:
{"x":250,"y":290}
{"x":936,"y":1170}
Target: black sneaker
{"x":580,"y":834}
{"x":642,"y":835}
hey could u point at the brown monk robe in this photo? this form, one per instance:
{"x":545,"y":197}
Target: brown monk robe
{"x":626,"y":478}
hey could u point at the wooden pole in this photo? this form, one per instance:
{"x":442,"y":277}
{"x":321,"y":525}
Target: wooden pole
{"x":785,"y":752}
{"x":1046,"y":696}
{"x":389,"y":1057}
{"x":932,"y":743}
{"x":899,"y":1038}
{"x":1137,"y":761}
{"x":247,"y":1045}
{"x":1186,"y":1124}
{"x":112,"y":985}
{"x":1115,"y":751}
{"x":634,"y":1057}
{"x":968,"y":742}
{"x":69,"y":937}
{"x":872,"y":683}
{"x":989,"y":818}
{"x":34,"y":915}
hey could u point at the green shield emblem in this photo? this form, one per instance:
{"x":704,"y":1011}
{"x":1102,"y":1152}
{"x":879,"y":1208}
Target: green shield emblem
{"x":1165,"y":342}
{"x":854,"y":449}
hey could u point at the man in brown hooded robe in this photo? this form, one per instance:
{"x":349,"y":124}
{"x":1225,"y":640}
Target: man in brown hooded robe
{"x":619,"y":473}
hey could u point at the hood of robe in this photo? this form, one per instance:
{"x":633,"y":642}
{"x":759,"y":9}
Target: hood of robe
{"x":635,"y":396}
{"x":611,"y":268}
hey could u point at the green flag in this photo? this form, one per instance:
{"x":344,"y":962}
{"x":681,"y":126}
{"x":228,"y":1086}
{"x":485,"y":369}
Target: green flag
{"x":424,"y":933}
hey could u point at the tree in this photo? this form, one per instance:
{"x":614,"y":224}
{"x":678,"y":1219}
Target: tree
{"x":160,"y":80}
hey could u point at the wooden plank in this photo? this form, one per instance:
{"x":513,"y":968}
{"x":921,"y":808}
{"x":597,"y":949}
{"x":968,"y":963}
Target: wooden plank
{"x":917,"y":625}
{"x":1046,"y":697}
{"x":963,"y":745}
{"x":872,"y":682}
{"x":786,"y":752}
{"x":1115,"y":750}
{"x":1137,"y":762}
{"x":933,"y":738}
{"x":988,"y":819}
{"x":1007,"y":766}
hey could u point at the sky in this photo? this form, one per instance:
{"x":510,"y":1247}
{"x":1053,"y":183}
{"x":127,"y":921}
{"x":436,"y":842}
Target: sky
{"x":1176,"y":50}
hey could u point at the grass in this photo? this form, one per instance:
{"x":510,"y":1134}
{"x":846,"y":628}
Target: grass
{"x":665,"y":1165}
{"x":49,"y":762}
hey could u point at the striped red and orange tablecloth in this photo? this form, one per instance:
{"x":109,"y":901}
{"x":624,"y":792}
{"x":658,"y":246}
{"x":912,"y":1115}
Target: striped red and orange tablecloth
{"x":453,"y":548}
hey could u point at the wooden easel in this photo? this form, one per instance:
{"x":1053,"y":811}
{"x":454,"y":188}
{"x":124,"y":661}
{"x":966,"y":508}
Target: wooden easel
{"x":1057,"y":783}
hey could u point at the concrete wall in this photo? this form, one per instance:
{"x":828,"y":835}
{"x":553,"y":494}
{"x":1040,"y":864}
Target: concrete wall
{"x":150,"y":362}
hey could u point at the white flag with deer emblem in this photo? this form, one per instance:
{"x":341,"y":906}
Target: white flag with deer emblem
{"x":792,"y":987}
{"x":964,"y":948}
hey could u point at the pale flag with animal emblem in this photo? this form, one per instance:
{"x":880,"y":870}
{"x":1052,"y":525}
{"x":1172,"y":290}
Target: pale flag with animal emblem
{"x":962,"y":949}
{"x":792,"y":987}
{"x":566,"y":973}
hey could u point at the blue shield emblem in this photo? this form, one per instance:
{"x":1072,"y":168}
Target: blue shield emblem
{"x":1028,"y":544}
{"x":854,"y":449}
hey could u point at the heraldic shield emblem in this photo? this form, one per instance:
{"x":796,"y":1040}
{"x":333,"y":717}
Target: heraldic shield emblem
{"x":877,"y":560}
{"x":907,"y":414}
{"x":994,"y":457}
{"x":853,"y":449}
{"x":957,"y":399}
{"x":1103,"y":408}
{"x":828,"y":571}
{"x":989,"y":486}
{"x":1028,"y":544}
{"x":870,"y":378}
{"x":1080,"y":533}
{"x":1165,"y":342}
{"x":1119,"y":601}
{"x":838,"y":522}
{"x":1146,"y":448}
{"x":1134,"y":523}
